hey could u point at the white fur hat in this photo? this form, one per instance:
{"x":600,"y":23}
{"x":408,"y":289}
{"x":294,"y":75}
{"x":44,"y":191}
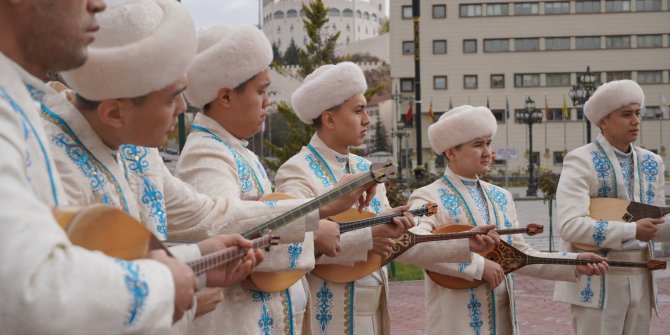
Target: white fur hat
{"x":327,"y":87}
{"x":142,"y":46}
{"x":226,"y":57}
{"x":460,"y":125}
{"x":612,"y":96}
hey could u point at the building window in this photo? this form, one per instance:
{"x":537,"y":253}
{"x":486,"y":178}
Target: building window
{"x":526,"y":8}
{"x":406,"y":84}
{"x":648,"y":5}
{"x":497,"y":81}
{"x":439,"y":47}
{"x":373,"y":17}
{"x":587,"y":42}
{"x":291,"y":13}
{"x":526,"y":44}
{"x":650,"y":77}
{"x":333,"y":12}
{"x":406,"y":13}
{"x":649,"y":41}
{"x":557,"y":79}
{"x":439,"y":82}
{"x":557,"y":43}
{"x":589,"y":6}
{"x":347,"y":13}
{"x":496,"y":45}
{"x":439,"y":11}
{"x":499,"y":114}
{"x":558,"y":157}
{"x":618,"y":75}
{"x":366,"y":16}
{"x":617,"y":6}
{"x":470,"y":10}
{"x":617,"y":42}
{"x":559,"y":7}
{"x":651,"y":112}
{"x":357,"y":14}
{"x":527,"y":80}
{"x":470,"y":81}
{"x":407,"y":47}
{"x":469,"y":46}
{"x":497,"y":9}
{"x":556,"y":114}
{"x":279,"y":15}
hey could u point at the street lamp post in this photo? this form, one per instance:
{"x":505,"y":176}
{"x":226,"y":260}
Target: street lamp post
{"x":581,"y":92}
{"x":529,"y":115}
{"x":399,"y":130}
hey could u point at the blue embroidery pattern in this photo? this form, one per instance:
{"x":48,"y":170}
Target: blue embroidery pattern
{"x":462,"y":266}
{"x":294,"y":251}
{"x":478,"y":198}
{"x":318,"y":172}
{"x":626,"y":164}
{"x":474,"y":312}
{"x":362,"y":164}
{"x":325,"y":306}
{"x":376,"y":206}
{"x":650,"y":171}
{"x":599,"y":232}
{"x":271,"y":203}
{"x":138,"y":289}
{"x":265,"y":322}
{"x":152,"y":197}
{"x":451,"y":204}
{"x":602,"y":168}
{"x":500,"y":199}
{"x":587,"y":292}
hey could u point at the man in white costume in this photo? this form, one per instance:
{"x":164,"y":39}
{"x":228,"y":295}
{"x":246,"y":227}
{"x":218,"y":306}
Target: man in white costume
{"x":128,"y":95}
{"x":463,"y":135}
{"x":50,"y":286}
{"x":612,"y":167}
{"x":228,"y":81}
{"x":332,"y":99}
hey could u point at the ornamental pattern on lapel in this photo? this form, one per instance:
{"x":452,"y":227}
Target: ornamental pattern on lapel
{"x":604,"y":173}
{"x":137,"y":288}
{"x":324,"y":303}
{"x":137,"y":164}
{"x":649,"y":168}
{"x":500,"y":199}
{"x":474,"y":312}
{"x":318,"y":171}
{"x":477,"y":196}
{"x":451,"y":204}
{"x":626,"y":164}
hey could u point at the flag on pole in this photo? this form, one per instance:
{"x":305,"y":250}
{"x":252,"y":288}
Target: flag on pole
{"x":546,"y":108}
{"x":450,"y":105}
{"x":507,"y":111}
{"x":487,"y":102}
{"x":410,"y":114}
{"x":664,"y":107}
{"x":431,"y":115}
{"x":566,"y":112}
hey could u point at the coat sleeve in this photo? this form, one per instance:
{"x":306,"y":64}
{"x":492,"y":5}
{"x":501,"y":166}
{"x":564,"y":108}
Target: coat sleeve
{"x":451,"y":257}
{"x":663,"y":229}
{"x":50,"y":286}
{"x":572,"y":202}
{"x":194,"y":215}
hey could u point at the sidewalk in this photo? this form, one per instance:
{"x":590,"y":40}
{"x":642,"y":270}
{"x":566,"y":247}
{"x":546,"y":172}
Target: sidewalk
{"x":538,"y":314}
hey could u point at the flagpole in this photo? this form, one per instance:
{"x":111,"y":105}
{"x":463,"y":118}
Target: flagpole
{"x":506,"y":122}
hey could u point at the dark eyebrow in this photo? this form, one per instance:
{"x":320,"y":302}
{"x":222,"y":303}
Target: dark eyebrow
{"x":178,"y":92}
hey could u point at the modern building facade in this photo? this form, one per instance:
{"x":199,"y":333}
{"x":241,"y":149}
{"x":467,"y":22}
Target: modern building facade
{"x":498,"y":53}
{"x":355,"y":20}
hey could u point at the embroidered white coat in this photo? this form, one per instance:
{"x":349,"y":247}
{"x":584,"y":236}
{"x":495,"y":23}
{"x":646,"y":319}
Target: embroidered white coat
{"x":476,"y":311}
{"x":48,"y":285}
{"x":218,"y":164}
{"x":593,"y":171}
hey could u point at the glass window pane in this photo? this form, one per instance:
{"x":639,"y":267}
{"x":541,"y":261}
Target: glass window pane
{"x":470,"y":81}
{"x":587,"y":6}
{"x":439,"y":47}
{"x":587,"y":42}
{"x":562,"y":7}
{"x":526,"y":44}
{"x":650,"y":77}
{"x":439,"y":11}
{"x":526,"y":8}
{"x":406,"y":12}
{"x":497,"y":9}
{"x":617,"y":5}
{"x":618,"y":75}
{"x":407,"y":85}
{"x":408,"y":47}
{"x":496,"y":45}
{"x":469,"y":46}
{"x":470,"y":10}
{"x":558,"y":79}
{"x":497,"y":81}
{"x":649,"y":41}
{"x":348,"y":13}
{"x":617,"y":42}
{"x":440,"y":82}
{"x":527,"y":80}
{"x":557,"y":43}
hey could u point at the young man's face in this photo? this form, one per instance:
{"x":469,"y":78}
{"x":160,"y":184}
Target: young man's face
{"x":149,"y":123}
{"x":246,"y":115}
{"x":55,"y":34}
{"x":351,"y":121}
{"x":471,"y":158}
{"x":623,"y":125}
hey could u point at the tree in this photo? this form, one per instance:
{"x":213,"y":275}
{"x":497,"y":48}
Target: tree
{"x":292,"y":54}
{"x":380,"y":143}
{"x":320,"y":49}
{"x":277,"y":57}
